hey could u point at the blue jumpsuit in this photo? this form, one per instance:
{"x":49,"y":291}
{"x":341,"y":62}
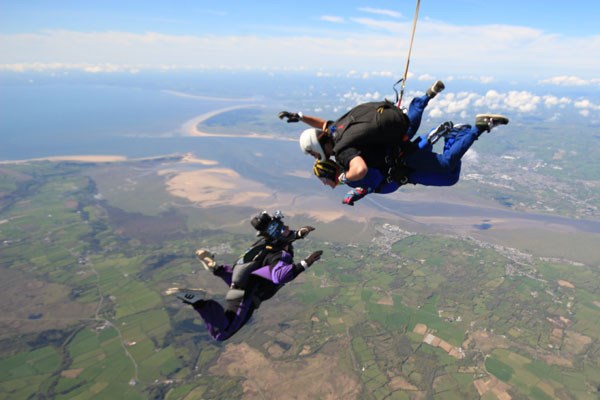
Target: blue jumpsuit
{"x":429,"y":168}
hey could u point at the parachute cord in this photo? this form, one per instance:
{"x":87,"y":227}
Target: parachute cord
{"x":412,"y":37}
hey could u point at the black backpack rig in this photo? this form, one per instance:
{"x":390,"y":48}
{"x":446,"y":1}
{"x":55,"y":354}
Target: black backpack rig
{"x":379,"y":123}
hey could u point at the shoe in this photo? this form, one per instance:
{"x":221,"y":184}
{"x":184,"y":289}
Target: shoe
{"x":485,"y":122}
{"x":191,"y":297}
{"x":207,"y":259}
{"x":458,"y":127}
{"x":439,"y":132}
{"x":436,"y":88}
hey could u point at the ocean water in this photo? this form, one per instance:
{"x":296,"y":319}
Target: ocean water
{"x":53,"y":119}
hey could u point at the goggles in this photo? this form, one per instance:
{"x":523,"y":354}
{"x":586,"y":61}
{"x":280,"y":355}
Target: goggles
{"x":275,"y":229}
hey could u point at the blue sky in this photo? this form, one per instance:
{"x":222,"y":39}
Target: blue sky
{"x":510,"y":40}
{"x":204,"y":17}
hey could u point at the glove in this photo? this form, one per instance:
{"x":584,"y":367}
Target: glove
{"x":312,"y":258}
{"x":304,"y":231}
{"x":291,"y":117}
{"x":354,"y":195}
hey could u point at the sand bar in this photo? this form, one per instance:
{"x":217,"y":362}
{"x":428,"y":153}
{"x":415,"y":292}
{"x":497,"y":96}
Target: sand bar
{"x":190,"y":127}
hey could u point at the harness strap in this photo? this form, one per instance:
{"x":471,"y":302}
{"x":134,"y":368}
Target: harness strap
{"x":397,"y":170}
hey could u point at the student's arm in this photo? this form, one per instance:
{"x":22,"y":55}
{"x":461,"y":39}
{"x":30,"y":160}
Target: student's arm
{"x":357,"y":169}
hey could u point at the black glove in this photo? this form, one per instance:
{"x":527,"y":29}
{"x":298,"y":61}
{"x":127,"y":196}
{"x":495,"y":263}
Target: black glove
{"x":291,"y":117}
{"x":314,"y":256}
{"x":304,"y":231}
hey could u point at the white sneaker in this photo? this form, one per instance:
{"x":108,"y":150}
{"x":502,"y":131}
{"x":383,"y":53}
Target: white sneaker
{"x":436,"y":88}
{"x":439,"y":132}
{"x":485,"y":122}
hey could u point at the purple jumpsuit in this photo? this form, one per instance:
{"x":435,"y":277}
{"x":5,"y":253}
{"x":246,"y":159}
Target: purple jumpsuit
{"x":277,"y":270}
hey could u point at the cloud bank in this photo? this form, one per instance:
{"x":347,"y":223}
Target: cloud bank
{"x":378,"y":40}
{"x":465,"y":105}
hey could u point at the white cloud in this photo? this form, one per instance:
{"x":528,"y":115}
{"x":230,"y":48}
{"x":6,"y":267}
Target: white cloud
{"x":522,"y":101}
{"x":553,"y":101}
{"x":475,"y":78}
{"x":367,"y":45}
{"x":352,"y":98}
{"x":436,"y":112}
{"x":85,"y":67}
{"x":565,"y":81}
{"x":380,"y":24}
{"x":426,"y":77}
{"x":467,"y":104}
{"x":586,"y":104}
{"x":331,"y":18}
{"x":379,"y":11}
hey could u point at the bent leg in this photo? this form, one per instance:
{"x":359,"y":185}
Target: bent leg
{"x":222,"y":324}
{"x":435,"y":178}
{"x":214,"y":317}
{"x":225,"y":272}
{"x":415,"y":114}
{"x":423,"y":160}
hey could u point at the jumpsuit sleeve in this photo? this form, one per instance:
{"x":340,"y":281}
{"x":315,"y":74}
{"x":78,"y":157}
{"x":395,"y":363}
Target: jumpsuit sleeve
{"x":280,"y":271}
{"x":374,"y":180}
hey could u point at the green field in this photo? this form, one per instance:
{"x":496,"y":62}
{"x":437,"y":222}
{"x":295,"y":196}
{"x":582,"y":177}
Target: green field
{"x":95,"y":323}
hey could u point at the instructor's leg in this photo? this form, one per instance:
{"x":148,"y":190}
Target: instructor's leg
{"x":415,"y":114}
{"x":427,"y":161}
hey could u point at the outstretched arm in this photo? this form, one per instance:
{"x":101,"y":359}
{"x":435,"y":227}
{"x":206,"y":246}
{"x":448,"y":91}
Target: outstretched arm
{"x":285,"y":270}
{"x":314,"y":122}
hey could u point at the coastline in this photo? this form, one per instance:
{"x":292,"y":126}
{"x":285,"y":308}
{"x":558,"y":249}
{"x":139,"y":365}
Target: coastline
{"x":190,"y":127}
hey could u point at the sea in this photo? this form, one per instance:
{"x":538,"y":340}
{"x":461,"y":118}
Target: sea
{"x":57,"y":119}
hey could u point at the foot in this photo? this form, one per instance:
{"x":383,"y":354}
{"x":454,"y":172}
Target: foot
{"x":207,"y":259}
{"x":191,"y":296}
{"x":439,"y":132}
{"x":485,"y":122}
{"x":436,"y":88}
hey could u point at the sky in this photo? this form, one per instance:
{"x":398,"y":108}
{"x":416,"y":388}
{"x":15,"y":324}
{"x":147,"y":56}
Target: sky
{"x":537,"y":57}
{"x":526,"y":40}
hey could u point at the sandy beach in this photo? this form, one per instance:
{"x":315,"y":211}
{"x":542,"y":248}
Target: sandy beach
{"x":215,"y":187}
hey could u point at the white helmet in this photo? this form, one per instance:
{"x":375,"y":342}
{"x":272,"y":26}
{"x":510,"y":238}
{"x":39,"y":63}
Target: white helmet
{"x":309,"y":141}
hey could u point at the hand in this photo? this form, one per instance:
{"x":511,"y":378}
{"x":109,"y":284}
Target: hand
{"x":313,"y":257}
{"x":304,"y":231}
{"x":354,"y":195}
{"x":291,"y":117}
